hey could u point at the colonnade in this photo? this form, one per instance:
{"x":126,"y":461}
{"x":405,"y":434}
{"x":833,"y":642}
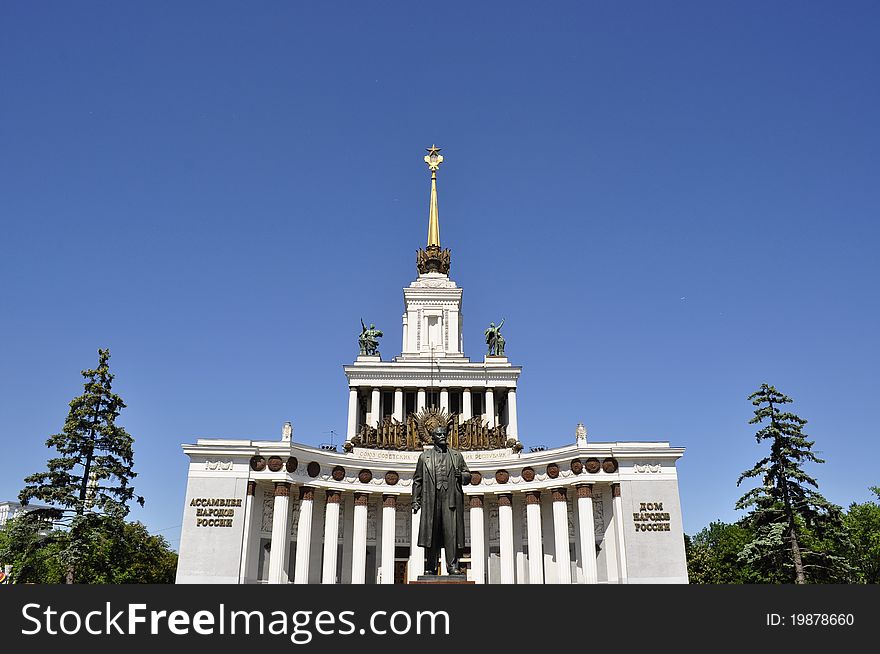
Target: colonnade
{"x":489,"y":412}
{"x":535,"y":533}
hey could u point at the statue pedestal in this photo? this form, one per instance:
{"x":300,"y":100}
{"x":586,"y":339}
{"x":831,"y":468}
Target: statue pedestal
{"x":443,"y":579}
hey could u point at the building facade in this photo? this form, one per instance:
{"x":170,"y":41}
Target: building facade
{"x":278,"y":511}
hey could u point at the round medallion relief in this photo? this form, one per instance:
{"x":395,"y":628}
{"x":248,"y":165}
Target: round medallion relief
{"x":528,"y":474}
{"x":365,"y":476}
{"x":609,"y":465}
{"x":593,"y":466}
{"x":552,"y":470}
{"x":258,"y":463}
{"x":275,"y":463}
{"x":502,"y":476}
{"x":476,"y":478}
{"x":576,"y":466}
{"x":338,"y":473}
{"x":291,"y":464}
{"x":391,"y":478}
{"x":313,"y":469}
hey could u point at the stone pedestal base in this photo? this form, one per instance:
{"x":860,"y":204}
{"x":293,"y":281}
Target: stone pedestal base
{"x":442,"y":579}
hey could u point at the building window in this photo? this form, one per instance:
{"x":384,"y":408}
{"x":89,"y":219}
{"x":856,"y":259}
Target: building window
{"x":477,"y":403}
{"x":455,"y":401}
{"x":387,"y":403}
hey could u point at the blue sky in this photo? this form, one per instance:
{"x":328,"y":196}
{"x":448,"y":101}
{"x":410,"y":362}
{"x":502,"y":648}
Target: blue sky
{"x":670,"y":203}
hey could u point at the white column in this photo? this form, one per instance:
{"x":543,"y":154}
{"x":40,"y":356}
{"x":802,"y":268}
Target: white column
{"x":317,"y":549}
{"x":347,"y":510}
{"x":549,"y":543}
{"x":403,"y":347}
{"x":331,"y":537}
{"x":398,"y":404}
{"x":466,"y":413}
{"x":618,"y":531}
{"x":359,"y":539}
{"x":505,"y":528}
{"x":490,"y":407}
{"x":352,"y":413}
{"x":416,"y":565}
{"x":248,"y":554}
{"x":586,"y":533}
{"x":560,"y":533}
{"x":420,"y":399}
{"x":304,"y":535}
{"x":375,"y":414}
{"x":478,"y":541}
{"x":512,"y":430}
{"x":444,"y":399}
{"x":536,"y":547}
{"x":389,"y":522}
{"x":280,"y":534}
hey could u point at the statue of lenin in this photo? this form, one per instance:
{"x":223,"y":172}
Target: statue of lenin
{"x":436,"y":489}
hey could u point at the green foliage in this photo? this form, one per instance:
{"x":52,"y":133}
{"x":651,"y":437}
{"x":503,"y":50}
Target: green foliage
{"x":862,"y":524}
{"x":90,"y":478}
{"x":110,"y":551}
{"x":732,"y":553}
{"x":790,"y":521}
{"x":31,"y":546}
{"x":713,"y":557}
{"x":126,"y":553}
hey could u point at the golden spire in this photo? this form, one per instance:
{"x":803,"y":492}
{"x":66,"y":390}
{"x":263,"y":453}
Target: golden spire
{"x":433,"y":159}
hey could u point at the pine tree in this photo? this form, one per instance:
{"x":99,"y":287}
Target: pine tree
{"x":785,"y":513}
{"x":89,"y":482}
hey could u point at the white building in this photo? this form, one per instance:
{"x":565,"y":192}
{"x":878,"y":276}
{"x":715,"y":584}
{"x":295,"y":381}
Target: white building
{"x":9,"y":510}
{"x":283,"y":512}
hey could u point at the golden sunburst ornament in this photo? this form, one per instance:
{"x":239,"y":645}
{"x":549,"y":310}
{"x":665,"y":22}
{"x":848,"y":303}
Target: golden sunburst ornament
{"x":430,"y":418}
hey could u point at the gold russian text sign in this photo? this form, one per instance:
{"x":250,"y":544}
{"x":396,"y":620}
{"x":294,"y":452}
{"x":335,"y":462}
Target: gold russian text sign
{"x":215,"y":511}
{"x":651,"y":517}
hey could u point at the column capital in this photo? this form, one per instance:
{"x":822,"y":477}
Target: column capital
{"x":361,"y":499}
{"x":333,"y":496}
{"x":584,"y":490}
{"x":389,"y":501}
{"x":505,"y":499}
{"x":476,"y":501}
{"x":533,"y":497}
{"x":306,"y":493}
{"x":282,"y":489}
{"x":615,"y":490}
{"x":252,"y":488}
{"x":559,"y":494}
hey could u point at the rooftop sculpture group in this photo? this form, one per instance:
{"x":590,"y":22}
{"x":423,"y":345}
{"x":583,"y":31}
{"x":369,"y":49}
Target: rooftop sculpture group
{"x":495,"y":340}
{"x":368,"y":341}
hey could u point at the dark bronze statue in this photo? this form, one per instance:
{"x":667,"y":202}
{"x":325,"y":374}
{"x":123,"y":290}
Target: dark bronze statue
{"x":368,"y":341}
{"x":436,"y":490}
{"x":495,"y":340}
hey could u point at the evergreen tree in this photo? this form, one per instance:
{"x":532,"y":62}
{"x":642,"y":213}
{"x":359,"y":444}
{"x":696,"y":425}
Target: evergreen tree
{"x":90,"y":479}
{"x":788,"y":517}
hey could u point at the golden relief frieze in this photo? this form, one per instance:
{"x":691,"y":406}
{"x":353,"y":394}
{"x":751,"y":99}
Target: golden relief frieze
{"x":413,"y":434}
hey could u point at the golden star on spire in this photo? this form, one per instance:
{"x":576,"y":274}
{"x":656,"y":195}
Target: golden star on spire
{"x":434,"y":158}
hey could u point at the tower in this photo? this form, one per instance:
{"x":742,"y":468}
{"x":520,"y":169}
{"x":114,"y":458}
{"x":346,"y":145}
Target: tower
{"x":432,"y":372}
